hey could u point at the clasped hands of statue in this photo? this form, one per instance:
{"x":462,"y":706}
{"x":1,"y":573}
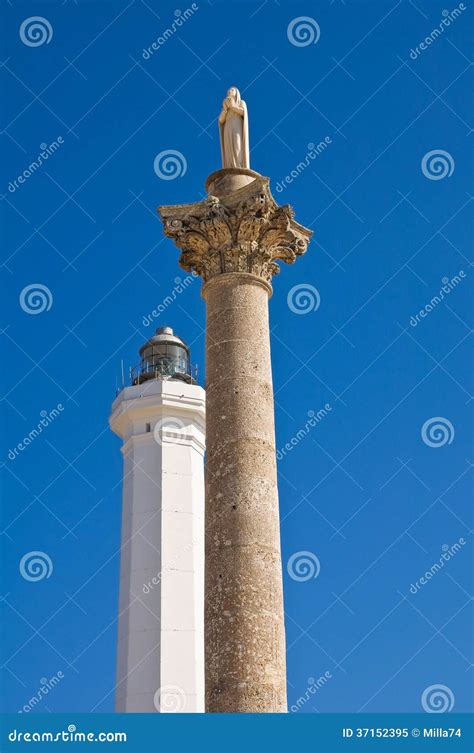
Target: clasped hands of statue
{"x":229,"y":104}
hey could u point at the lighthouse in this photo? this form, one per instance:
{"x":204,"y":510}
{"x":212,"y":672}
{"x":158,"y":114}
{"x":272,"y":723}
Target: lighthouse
{"x":160,"y":418}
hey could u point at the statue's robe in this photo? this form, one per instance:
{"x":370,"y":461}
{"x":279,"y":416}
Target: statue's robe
{"x":234,"y":136}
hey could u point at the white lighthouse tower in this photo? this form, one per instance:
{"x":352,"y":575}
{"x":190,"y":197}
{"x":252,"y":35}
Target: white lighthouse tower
{"x":161,"y":419}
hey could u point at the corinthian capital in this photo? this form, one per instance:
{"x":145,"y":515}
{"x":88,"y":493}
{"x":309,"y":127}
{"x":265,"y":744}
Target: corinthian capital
{"x":239,"y":230}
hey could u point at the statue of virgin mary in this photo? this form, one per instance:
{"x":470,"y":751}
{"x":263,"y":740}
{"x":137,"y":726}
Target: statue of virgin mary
{"x":234,"y":131}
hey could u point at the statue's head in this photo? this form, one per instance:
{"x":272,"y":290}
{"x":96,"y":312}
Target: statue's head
{"x":234,"y":93}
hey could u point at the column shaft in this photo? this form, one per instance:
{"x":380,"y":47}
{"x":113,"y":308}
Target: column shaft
{"x":244,"y":625}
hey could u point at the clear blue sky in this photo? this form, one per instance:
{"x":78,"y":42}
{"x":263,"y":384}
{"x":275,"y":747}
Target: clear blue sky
{"x":361,"y":490}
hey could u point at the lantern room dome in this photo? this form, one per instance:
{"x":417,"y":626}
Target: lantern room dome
{"x":164,"y":356}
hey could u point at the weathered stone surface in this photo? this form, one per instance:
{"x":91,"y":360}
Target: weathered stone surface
{"x":244,"y":633}
{"x":233,"y":240}
{"x":241,"y":231}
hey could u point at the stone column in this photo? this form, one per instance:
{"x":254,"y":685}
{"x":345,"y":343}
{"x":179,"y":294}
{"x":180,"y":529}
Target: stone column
{"x":233,"y":240}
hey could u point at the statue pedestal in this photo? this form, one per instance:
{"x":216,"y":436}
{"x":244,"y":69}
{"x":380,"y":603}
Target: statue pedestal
{"x":228,"y":180}
{"x":233,"y":240}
